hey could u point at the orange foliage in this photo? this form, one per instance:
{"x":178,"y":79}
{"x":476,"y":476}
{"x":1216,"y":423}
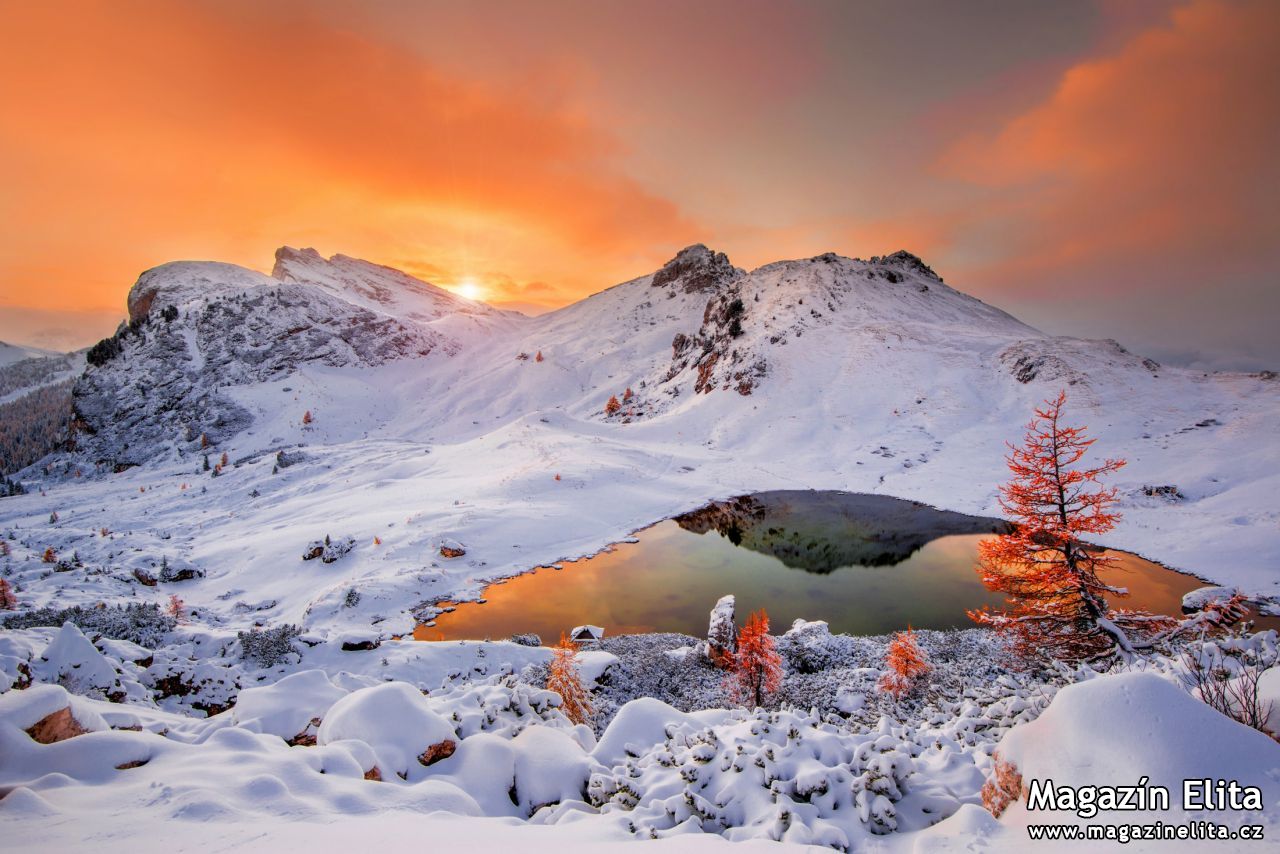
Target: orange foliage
{"x":8,"y":601}
{"x":306,"y":417}
{"x":538,"y":358}
{"x":628,"y":394}
{"x":204,"y":440}
{"x":1003,"y":788}
{"x":176,"y":608}
{"x":566,"y":681}
{"x":4,"y":549}
{"x":756,"y":669}
{"x":557,"y":475}
{"x":50,"y":556}
{"x":377,"y":541}
{"x":223,"y":461}
{"x":612,"y":406}
{"x":1058,"y":603}
{"x":907,"y":664}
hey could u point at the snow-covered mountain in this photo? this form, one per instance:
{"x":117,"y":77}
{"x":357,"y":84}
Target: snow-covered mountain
{"x":353,"y":400}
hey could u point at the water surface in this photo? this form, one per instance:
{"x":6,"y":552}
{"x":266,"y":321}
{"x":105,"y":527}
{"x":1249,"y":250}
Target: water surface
{"x":866,"y":564}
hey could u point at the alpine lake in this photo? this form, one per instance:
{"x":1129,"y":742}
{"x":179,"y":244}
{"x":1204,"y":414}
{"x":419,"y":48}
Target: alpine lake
{"x":866,"y":564}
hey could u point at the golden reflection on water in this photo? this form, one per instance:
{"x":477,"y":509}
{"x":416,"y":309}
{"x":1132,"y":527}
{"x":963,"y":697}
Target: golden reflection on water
{"x":669,"y":581}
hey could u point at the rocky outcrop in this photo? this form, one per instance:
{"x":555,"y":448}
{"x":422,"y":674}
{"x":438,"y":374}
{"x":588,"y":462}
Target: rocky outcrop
{"x":159,"y":382}
{"x":696,"y":269}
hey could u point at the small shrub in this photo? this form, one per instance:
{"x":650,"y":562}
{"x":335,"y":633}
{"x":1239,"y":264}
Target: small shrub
{"x":907,"y":665}
{"x":1004,"y":787}
{"x":269,"y":647}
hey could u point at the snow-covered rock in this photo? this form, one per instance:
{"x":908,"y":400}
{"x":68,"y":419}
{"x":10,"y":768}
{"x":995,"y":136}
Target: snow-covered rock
{"x":287,"y":708}
{"x":1121,"y":729}
{"x":394,"y":719}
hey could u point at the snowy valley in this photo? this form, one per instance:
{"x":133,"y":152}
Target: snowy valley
{"x":313,"y":462}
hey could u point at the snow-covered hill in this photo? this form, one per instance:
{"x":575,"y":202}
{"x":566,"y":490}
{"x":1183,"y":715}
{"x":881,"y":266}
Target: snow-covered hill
{"x":352,"y":400}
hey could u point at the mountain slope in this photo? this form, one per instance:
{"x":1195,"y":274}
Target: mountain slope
{"x":828,"y":373}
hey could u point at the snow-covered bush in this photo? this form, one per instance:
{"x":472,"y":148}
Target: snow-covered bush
{"x":771,"y":775}
{"x":269,"y":647}
{"x":143,"y":624}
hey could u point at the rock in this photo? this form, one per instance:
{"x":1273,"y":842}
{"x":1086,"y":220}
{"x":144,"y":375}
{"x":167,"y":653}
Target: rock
{"x":722,"y":631}
{"x":144,"y":578}
{"x":58,"y":726}
{"x":696,"y":268}
{"x":329,"y":550}
{"x":451,"y":548}
{"x":438,"y":751}
{"x":373,"y":774}
{"x":1201,"y":597}
{"x":393,"y":719}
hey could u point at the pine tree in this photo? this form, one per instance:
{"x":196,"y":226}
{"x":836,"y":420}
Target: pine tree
{"x":8,"y":601}
{"x":612,"y":406}
{"x":566,"y":680}
{"x":756,"y":672}
{"x":907,"y":664}
{"x":1058,"y":604}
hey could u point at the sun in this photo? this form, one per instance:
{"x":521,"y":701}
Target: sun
{"x":469,"y":289}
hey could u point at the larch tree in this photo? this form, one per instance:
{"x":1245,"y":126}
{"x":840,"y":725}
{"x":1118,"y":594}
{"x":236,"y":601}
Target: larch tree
{"x":907,"y":664}
{"x":8,"y":601}
{"x":756,"y":670}
{"x":612,"y":406}
{"x":1057,"y":599}
{"x":566,"y":680}
{"x":177,"y":609}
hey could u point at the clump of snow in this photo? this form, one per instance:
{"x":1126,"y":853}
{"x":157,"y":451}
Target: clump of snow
{"x":71,"y":661}
{"x":394,"y":719}
{"x":287,"y":708}
{"x":1118,"y":729}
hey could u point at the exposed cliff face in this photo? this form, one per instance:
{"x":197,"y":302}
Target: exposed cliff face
{"x":199,"y":329}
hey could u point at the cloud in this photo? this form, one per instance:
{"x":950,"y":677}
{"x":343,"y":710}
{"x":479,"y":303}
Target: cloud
{"x":1159,"y":155}
{"x":136,"y":132}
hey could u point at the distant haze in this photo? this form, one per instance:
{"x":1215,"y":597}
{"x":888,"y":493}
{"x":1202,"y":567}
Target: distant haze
{"x":1102,"y":169}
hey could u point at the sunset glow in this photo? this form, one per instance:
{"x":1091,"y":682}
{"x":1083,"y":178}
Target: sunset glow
{"x":551,"y":151}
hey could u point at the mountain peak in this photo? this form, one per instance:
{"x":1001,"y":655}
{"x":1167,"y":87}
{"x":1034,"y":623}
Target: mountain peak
{"x":908,"y":261}
{"x":697,"y":268}
{"x":287,"y":255}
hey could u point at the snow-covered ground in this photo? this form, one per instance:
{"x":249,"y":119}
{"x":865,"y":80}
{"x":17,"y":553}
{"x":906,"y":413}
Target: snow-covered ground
{"x":355,"y":404}
{"x":877,"y":378}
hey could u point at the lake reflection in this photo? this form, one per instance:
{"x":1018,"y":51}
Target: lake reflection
{"x":865,"y":564}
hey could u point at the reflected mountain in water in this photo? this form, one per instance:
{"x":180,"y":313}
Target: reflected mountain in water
{"x":820,"y":532}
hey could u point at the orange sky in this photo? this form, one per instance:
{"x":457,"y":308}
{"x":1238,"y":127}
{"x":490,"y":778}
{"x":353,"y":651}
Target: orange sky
{"x":1101,"y":169}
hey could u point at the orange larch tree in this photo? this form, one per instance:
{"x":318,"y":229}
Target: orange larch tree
{"x":612,"y":406}
{"x":756,"y":670}
{"x":907,"y":664}
{"x":566,"y":680}
{"x":177,"y":609}
{"x":8,"y":601}
{"x":1058,"y":605}
{"x":306,"y":417}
